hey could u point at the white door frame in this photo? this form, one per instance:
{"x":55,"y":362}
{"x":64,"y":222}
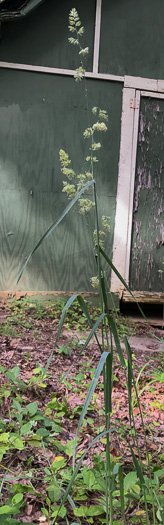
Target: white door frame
{"x":126,"y":180}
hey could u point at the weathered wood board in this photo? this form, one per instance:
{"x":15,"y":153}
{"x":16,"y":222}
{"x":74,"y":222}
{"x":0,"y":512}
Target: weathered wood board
{"x":39,"y":114}
{"x":143,"y":297}
{"x":147,"y":249}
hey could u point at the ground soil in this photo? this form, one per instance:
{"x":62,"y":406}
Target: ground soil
{"x":34,"y":345}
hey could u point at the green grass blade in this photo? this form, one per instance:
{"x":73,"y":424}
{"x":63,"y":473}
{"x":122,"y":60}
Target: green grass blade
{"x":128,"y":350}
{"x":140,"y":372}
{"x":114,"y":330}
{"x":130,"y":383}
{"x":137,"y":466}
{"x":121,"y":279}
{"x":54,"y":225}
{"x":85,"y":345}
{"x":108,"y":408}
{"x":103,"y":289}
{"x":115,"y":271}
{"x":89,"y":397}
{"x":83,"y":306}
{"x":62,"y":319}
{"x":105,"y":306}
{"x":101,"y":435}
{"x":108,"y":392}
{"x":121,"y":480}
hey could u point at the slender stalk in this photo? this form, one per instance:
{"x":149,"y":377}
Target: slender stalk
{"x":106,"y":372}
{"x":142,"y":421}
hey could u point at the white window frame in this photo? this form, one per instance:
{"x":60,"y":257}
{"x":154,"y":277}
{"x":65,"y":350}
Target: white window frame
{"x":70,"y":72}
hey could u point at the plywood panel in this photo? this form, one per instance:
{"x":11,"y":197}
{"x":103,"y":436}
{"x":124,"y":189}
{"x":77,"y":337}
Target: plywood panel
{"x":39,"y":115}
{"x":41,"y":38}
{"x":65,"y":261}
{"x":32,"y":131}
{"x":132,"y":38}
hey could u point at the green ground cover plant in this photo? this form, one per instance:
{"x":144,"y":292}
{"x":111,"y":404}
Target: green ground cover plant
{"x":70,"y":490}
{"x":26,"y":428}
{"x":22,"y":314}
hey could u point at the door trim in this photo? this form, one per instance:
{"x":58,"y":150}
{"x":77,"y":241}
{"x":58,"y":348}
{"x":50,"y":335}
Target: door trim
{"x":125,"y":189}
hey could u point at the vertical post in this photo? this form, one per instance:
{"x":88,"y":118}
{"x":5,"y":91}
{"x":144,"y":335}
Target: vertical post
{"x":132,"y":180}
{"x":97,"y":37}
{"x":124,"y":190}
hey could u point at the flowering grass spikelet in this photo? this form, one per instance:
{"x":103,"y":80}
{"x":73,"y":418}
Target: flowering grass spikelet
{"x":100,"y":126}
{"x":94,"y":282}
{"x":81,"y":31}
{"x":94,"y":110}
{"x":88,"y":133}
{"x":82,"y":177}
{"x":101,"y":237}
{"x":68,"y":172}
{"x":103,"y":114}
{"x":84,"y":51}
{"x":89,"y":175}
{"x":85,"y":205}
{"x":64,"y":158}
{"x":65,"y":162}
{"x":74,"y":19}
{"x":72,"y":29}
{"x":106,"y":222}
{"x":79,"y":74}
{"x":82,"y":181}
{"x":69,"y":189}
{"x":95,"y":146}
{"x":76,"y":27}
{"x":73,"y":41}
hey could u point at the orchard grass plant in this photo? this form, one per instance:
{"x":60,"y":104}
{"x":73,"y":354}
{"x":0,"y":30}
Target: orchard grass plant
{"x":116,"y":489}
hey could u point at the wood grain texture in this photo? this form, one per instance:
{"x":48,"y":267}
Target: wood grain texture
{"x":147,"y":249}
{"x":39,"y":115}
{"x":143,"y":297}
{"x":132,"y":38}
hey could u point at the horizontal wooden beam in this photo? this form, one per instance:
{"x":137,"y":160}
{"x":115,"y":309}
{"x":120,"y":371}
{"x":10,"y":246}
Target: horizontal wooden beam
{"x":152,"y":94}
{"x":146,"y":84}
{"x":8,"y":294}
{"x":58,"y":71}
{"x":143,"y":297}
{"x":141,"y":83}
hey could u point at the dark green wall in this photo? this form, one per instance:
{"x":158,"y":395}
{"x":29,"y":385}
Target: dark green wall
{"x":132,"y":38}
{"x":41,"y":38}
{"x":39,"y":114}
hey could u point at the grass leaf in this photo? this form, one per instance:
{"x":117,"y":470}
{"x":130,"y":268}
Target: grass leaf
{"x":89,"y":396}
{"x":54,"y":225}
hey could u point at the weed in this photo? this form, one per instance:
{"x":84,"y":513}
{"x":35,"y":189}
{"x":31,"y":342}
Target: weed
{"x":8,"y":330}
{"x":116,"y":493}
